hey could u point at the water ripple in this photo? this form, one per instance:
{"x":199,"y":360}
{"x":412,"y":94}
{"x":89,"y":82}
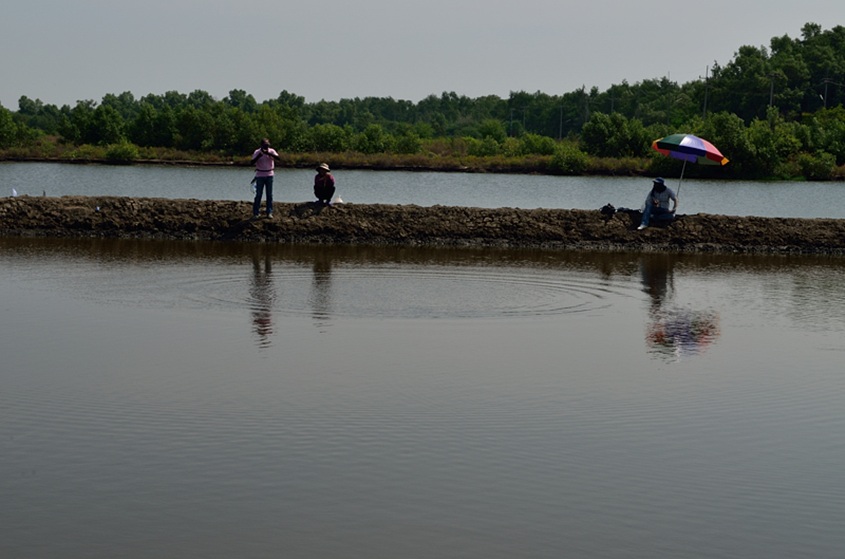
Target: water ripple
{"x":362,"y":292}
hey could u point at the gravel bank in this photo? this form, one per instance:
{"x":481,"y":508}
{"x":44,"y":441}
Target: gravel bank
{"x":380,"y":224}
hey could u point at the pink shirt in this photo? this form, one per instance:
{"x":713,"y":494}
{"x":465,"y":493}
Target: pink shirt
{"x":265,"y":164}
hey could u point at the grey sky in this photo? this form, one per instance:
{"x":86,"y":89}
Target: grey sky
{"x":61,"y":51}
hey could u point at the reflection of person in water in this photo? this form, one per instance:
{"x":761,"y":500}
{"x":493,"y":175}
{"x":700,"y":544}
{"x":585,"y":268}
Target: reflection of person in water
{"x":263,"y":296}
{"x":656,"y":271}
{"x":672,"y":331}
{"x":321,"y":296}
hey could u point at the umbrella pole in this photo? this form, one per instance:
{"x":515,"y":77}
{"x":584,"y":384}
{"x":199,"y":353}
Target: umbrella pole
{"x":684,"y":168}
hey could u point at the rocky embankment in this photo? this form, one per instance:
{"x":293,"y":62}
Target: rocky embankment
{"x":379,"y":224}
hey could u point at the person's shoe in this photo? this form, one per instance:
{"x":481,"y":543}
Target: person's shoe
{"x":254,"y":216}
{"x":269,"y":215}
{"x":641,"y":227}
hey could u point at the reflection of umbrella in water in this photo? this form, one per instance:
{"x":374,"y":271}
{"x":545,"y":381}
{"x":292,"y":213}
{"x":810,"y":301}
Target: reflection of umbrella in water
{"x":689,"y":148}
{"x":682,"y":332}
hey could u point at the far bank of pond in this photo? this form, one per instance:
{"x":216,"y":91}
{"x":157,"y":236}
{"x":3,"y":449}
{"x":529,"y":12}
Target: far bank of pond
{"x":411,"y":225}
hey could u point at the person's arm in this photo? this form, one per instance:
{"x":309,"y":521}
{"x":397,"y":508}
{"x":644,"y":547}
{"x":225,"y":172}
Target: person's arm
{"x":269,"y":153}
{"x":674,"y":204}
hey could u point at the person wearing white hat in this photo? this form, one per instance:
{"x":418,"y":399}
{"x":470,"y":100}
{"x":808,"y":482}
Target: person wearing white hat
{"x":324,"y":184}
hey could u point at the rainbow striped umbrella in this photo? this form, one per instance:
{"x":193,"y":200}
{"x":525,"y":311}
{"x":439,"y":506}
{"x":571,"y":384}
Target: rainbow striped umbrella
{"x":689,"y":148}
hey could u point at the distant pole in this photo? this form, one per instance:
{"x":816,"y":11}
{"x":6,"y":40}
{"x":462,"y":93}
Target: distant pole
{"x":706,"y":89}
{"x":826,"y":81}
{"x":772,"y":89}
{"x":560,"y":125}
{"x":586,"y":104}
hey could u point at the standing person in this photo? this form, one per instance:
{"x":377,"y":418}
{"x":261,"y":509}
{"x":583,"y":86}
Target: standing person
{"x":657,"y":204}
{"x":324,"y":184}
{"x":264,"y":159}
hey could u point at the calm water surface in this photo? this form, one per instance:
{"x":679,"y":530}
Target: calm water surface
{"x":777,"y":199}
{"x":210,"y":400}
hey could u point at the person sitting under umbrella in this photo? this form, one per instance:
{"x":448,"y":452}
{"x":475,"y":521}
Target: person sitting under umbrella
{"x":657,"y":204}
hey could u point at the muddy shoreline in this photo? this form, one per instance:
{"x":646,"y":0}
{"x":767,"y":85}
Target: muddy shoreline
{"x":409,"y":225}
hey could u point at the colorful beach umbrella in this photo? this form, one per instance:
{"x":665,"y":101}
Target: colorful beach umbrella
{"x":689,"y":148}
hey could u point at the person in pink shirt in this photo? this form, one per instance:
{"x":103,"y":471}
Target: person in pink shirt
{"x":264,"y":159}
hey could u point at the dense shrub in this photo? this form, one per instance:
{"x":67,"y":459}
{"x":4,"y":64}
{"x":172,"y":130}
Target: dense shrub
{"x":534,"y":144}
{"x":568,"y":160}
{"x":817,"y":167}
{"x":123,"y":152}
{"x":482,"y":148}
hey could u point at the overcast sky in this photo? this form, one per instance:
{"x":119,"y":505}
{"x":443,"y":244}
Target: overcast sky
{"x":62,"y":51}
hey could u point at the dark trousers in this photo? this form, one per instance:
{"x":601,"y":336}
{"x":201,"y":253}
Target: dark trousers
{"x":324,"y":192}
{"x":654,"y":213}
{"x":260,"y":184}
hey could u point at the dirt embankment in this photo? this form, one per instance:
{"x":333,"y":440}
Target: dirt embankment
{"x":379,"y":224}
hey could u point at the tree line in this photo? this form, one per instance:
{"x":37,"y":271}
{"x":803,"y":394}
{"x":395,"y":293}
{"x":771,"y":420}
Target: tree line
{"x":775,"y":112}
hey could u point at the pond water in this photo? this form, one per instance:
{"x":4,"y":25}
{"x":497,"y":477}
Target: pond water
{"x":168,"y":399}
{"x":768,"y":199}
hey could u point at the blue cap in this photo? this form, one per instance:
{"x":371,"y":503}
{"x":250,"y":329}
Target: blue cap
{"x":659,"y":180}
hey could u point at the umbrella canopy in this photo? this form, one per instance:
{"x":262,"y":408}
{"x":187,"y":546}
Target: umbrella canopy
{"x":689,"y":148}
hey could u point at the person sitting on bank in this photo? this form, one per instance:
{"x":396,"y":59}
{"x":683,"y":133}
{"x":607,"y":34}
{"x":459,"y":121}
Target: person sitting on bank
{"x":657,"y":204}
{"x":324,"y":184}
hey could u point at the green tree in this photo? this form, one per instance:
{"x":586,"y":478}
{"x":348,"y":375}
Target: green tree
{"x":728,"y":132}
{"x":373,"y":139}
{"x":408,"y":143}
{"x":614,"y":136}
{"x":329,"y":138}
{"x":492,"y":128}
{"x":8,"y":128}
{"x":145,"y":129}
{"x":246,"y":131}
{"x":744,"y":85}
{"x":535,"y":144}
{"x":269,"y":124}
{"x":195,"y":129}
{"x":240,"y":99}
{"x":77,"y":124}
{"x":107,"y":127}
{"x":772,"y":143}
{"x":569,"y":160}
{"x":820,"y":166}
{"x":35,"y":114}
{"x":124,"y":104}
{"x":827,"y":133}
{"x":481,"y":148}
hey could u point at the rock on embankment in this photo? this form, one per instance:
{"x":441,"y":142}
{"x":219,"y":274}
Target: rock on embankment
{"x":379,"y":224}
